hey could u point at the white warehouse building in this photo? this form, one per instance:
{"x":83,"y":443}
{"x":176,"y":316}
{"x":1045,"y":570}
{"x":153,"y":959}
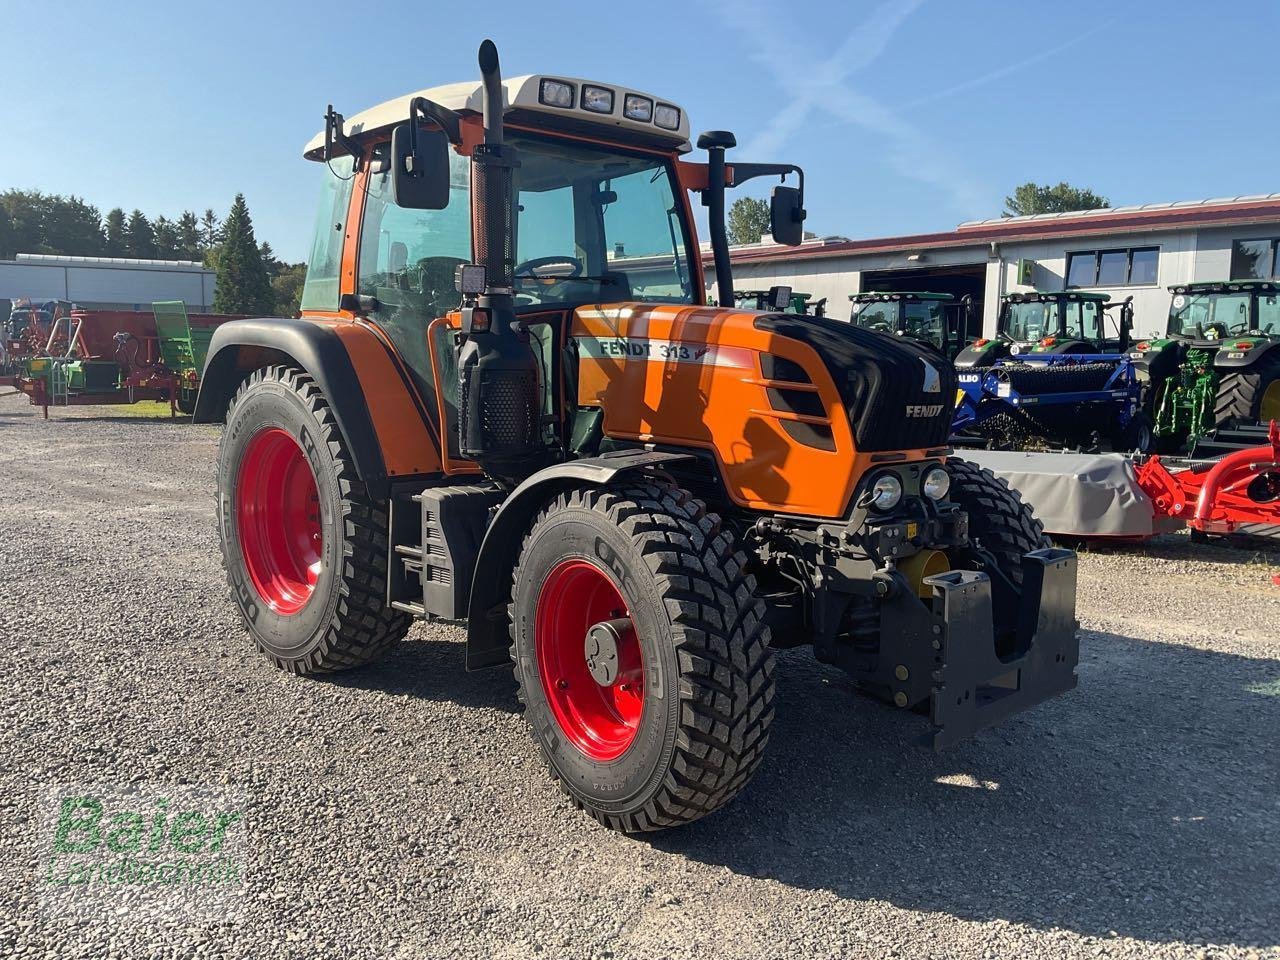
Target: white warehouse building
{"x":107,"y":283}
{"x":1136,"y":251}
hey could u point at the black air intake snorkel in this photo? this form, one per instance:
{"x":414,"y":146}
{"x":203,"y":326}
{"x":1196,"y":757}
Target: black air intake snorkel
{"x":498,"y":391}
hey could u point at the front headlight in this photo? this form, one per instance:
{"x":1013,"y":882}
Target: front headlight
{"x":886,"y":491}
{"x":936,"y":483}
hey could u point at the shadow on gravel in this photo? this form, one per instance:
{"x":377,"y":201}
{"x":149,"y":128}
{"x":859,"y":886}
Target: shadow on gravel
{"x":1143,"y":804}
{"x":432,"y":670}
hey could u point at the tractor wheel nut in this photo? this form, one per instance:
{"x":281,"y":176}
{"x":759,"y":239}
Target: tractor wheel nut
{"x":900,"y":699}
{"x":901,"y":672}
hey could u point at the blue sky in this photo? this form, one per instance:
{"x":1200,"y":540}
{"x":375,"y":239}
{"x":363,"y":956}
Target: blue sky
{"x":907,"y":115}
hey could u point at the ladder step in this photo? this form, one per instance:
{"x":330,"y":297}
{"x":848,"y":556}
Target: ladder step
{"x":417,"y":609}
{"x":407,"y":551}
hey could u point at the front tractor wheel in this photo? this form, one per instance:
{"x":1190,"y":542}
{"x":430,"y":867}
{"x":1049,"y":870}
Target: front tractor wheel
{"x":641,"y":655}
{"x":304,"y":546}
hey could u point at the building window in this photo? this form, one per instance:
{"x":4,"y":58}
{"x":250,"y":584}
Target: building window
{"x":1135,"y":266}
{"x":1253,"y":259}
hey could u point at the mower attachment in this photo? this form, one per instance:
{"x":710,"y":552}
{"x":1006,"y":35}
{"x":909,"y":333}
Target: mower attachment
{"x":974,"y":688}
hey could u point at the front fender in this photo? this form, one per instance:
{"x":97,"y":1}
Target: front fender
{"x":487,"y":635}
{"x":240,"y":346}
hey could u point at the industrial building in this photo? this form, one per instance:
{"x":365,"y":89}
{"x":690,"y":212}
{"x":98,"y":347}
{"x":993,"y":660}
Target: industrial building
{"x":1136,"y":251}
{"x":107,"y":283}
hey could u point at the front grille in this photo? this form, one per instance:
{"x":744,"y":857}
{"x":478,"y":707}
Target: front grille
{"x":881,"y":380}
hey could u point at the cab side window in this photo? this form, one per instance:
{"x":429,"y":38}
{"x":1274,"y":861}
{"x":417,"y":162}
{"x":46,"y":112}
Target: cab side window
{"x":320,"y":290}
{"x":407,"y":262}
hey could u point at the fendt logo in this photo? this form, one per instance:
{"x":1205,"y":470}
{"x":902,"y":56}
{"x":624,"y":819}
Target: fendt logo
{"x":923,"y":409}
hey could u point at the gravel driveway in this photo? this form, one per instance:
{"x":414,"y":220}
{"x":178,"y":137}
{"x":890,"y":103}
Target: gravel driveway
{"x":401,"y":810}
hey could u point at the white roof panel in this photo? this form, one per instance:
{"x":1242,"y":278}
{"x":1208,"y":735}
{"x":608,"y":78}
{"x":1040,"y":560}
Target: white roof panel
{"x":519,"y":93}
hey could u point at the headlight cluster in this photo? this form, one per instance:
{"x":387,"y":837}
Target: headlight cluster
{"x":886,"y":489}
{"x":598,"y":99}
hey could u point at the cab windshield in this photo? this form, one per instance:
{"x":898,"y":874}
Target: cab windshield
{"x":597,"y":226}
{"x":1033,"y":320}
{"x":879,"y":315}
{"x":925,"y":321}
{"x":1208,"y":316}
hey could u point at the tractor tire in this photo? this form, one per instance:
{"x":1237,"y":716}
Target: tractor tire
{"x":185,"y":401}
{"x":1250,"y":395}
{"x":641,"y":654}
{"x":304,"y":546}
{"x":1000,"y":521}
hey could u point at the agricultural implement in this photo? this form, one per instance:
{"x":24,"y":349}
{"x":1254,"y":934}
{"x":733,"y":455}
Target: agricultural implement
{"x":1073,"y":400}
{"x":1217,"y":364}
{"x":1115,"y":497}
{"x":629,"y":496}
{"x":120,"y":356}
{"x":1064,"y":322}
{"x":938,"y":319}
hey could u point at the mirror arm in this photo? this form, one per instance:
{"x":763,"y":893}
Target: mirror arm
{"x":742,"y":172}
{"x":450,"y":121}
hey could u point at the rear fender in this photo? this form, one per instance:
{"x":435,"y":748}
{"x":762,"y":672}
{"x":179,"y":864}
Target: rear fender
{"x":488,"y":638}
{"x":1223,"y":360}
{"x":241,"y":346}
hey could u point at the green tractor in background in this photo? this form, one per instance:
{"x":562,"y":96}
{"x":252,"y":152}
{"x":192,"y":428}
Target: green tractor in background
{"x":938,"y":319}
{"x":781,"y":299}
{"x":1217,"y":364}
{"x":1058,"y":322}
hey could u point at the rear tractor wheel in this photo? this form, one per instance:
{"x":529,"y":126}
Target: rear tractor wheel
{"x":1250,"y":395}
{"x":303,"y":544}
{"x":641,"y":655}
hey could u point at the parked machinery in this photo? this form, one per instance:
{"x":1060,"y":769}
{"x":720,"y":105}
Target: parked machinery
{"x":780,"y":298}
{"x":1217,"y":364}
{"x":938,"y":319}
{"x":1064,"y":322}
{"x":628,"y":498}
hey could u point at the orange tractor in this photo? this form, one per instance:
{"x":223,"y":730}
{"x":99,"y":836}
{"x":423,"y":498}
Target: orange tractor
{"x":508,"y":404}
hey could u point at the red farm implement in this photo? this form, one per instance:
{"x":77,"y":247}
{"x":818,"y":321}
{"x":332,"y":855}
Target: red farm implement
{"x":119,"y":356}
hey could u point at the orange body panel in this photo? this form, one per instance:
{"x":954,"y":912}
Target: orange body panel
{"x":408,"y":446}
{"x":691,"y":376}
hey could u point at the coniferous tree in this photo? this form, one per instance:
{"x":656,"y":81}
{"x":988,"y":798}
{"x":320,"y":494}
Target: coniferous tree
{"x":6,"y":236}
{"x":140,"y":239}
{"x":117,"y":244}
{"x":189,"y":241}
{"x":166,"y":237}
{"x":210,"y":230}
{"x":242,"y":285}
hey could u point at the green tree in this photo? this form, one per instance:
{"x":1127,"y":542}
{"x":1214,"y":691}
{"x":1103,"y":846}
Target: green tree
{"x":210,"y":230}
{"x":166,"y":236}
{"x":269,"y":261}
{"x":139,"y":237}
{"x":73,"y":227}
{"x":6,"y":236}
{"x":748,"y":220}
{"x":117,"y":244}
{"x":287,"y":286}
{"x":28,"y":212}
{"x":1033,"y":198}
{"x":242,"y":285}
{"x":189,"y":235}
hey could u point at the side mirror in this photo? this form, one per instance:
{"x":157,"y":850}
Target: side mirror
{"x":786,"y":216}
{"x":419,"y":168}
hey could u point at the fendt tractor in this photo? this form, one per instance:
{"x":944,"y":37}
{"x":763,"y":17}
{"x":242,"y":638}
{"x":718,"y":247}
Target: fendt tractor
{"x":938,"y":319}
{"x":1062,"y":322}
{"x":1217,"y":364}
{"x":627,"y":495}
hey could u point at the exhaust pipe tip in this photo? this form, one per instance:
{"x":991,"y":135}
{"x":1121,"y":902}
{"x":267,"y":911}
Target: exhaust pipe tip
{"x":488,"y":57}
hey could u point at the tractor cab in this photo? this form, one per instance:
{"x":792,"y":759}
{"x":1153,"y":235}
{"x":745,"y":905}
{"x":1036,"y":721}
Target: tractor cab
{"x":1058,"y":323}
{"x":938,"y":319}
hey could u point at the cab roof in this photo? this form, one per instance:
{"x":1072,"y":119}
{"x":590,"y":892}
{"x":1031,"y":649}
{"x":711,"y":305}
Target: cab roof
{"x":1223,"y":286}
{"x":1044,"y":296}
{"x":900,"y":295}
{"x":521,"y":96}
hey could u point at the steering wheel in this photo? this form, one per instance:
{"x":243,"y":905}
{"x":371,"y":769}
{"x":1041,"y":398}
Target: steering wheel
{"x":526,"y":269}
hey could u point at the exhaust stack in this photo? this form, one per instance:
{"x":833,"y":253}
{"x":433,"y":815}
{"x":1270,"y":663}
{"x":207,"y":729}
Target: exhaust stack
{"x":499,"y":396}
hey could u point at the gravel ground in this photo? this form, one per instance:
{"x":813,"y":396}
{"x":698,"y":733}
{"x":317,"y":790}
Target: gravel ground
{"x":401,"y":810}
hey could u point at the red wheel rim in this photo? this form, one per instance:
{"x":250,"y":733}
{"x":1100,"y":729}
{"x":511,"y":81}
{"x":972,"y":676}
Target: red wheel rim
{"x":600,"y":720}
{"x":278,"y":519}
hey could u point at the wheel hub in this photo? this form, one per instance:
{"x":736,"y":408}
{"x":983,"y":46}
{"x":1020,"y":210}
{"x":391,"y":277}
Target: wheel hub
{"x":589,"y":659}
{"x":601,"y":648}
